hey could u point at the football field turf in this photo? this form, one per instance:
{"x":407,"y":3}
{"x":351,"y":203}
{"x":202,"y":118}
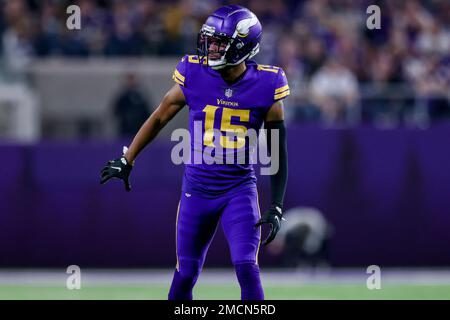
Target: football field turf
{"x":222,"y":285}
{"x":224,"y":292}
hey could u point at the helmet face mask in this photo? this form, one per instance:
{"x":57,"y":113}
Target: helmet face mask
{"x":213,"y":48}
{"x":229,"y":36}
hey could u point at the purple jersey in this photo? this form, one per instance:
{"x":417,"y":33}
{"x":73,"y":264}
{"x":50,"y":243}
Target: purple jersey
{"x":227,"y":108}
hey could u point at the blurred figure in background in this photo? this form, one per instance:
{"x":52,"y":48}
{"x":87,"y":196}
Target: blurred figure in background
{"x":303,"y":239}
{"x":334,"y":89}
{"x":130,"y":107}
{"x":388,"y":96}
{"x":124,"y":40}
{"x":432,"y":88}
{"x":16,"y":39}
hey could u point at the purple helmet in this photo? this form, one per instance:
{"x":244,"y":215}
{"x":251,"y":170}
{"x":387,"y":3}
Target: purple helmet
{"x":229,"y":36}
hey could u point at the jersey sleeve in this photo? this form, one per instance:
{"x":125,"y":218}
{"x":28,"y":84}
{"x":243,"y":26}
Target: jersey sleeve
{"x":180,"y":73}
{"x":281,"y":90}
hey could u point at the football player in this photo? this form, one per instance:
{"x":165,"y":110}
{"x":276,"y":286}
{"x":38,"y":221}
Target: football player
{"x":228,"y":92}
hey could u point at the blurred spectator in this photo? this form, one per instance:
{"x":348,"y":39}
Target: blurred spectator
{"x":334,"y":89}
{"x":386,"y":98}
{"x":433,"y":39}
{"x":298,"y":107}
{"x":124,"y":40}
{"x":149,"y":23}
{"x":17,"y":48}
{"x":130,"y":107}
{"x":180,"y":27}
{"x":432,"y":88}
{"x":314,"y":55}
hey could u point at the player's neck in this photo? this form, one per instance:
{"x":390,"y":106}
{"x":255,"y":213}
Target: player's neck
{"x":233,"y":74}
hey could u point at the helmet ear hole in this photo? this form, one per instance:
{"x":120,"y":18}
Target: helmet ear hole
{"x":239,"y":45}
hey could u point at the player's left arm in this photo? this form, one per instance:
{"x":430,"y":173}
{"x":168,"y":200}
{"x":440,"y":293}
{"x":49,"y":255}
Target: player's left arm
{"x":275,"y":121}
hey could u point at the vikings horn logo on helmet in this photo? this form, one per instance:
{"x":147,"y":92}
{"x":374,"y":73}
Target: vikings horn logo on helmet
{"x":243,"y":26}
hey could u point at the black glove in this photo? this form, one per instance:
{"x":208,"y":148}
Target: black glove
{"x":273,"y":216}
{"x":118,"y":168}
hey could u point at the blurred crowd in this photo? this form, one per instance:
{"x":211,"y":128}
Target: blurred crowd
{"x":339,"y":70}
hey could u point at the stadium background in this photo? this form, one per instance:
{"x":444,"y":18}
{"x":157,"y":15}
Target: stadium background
{"x":368,"y":127}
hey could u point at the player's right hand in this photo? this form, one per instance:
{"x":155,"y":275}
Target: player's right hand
{"x":118,"y":168}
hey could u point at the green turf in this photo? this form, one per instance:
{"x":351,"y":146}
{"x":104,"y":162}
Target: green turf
{"x":220,"y":292}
